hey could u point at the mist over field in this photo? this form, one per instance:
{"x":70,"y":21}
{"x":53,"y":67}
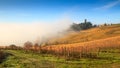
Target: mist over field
{"x":59,"y":33}
{"x":19,"y":33}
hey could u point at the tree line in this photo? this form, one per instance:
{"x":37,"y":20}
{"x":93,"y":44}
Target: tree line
{"x":82,"y":26}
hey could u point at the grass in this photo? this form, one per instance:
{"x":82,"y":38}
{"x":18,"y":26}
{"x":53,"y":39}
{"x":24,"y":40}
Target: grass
{"x":21,"y":59}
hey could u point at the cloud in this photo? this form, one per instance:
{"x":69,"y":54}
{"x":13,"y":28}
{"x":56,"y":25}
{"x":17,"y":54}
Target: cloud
{"x":109,"y":5}
{"x":18,"y":33}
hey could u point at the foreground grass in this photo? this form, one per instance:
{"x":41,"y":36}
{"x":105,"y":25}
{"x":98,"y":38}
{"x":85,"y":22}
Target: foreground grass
{"x":21,"y":59}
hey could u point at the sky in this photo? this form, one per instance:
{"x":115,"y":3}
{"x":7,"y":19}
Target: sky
{"x":27,"y":11}
{"x":36,"y":20}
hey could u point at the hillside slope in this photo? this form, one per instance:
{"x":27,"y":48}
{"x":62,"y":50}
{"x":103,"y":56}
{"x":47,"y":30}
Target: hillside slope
{"x":88,"y":35}
{"x":96,"y":40}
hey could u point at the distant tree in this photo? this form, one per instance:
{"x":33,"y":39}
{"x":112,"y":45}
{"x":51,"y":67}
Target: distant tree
{"x":12,"y":46}
{"x":95,"y":25}
{"x":85,"y":25}
{"x":82,"y":26}
{"x":111,"y":24}
{"x":75,"y":27}
{"x":36,"y":46}
{"x":105,"y":24}
{"x":28,"y":45}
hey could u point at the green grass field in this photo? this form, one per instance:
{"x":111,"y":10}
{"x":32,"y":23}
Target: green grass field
{"x":22,"y":59}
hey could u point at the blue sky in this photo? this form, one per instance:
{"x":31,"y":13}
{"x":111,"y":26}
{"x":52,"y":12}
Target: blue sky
{"x":26,"y":11}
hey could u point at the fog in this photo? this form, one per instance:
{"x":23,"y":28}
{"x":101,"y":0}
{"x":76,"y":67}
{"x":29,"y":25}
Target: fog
{"x":19,"y":33}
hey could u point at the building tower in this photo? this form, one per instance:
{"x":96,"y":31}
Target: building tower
{"x":85,"y":20}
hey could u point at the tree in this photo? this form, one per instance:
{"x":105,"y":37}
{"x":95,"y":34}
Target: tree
{"x":81,"y":26}
{"x":105,"y":24}
{"x":85,"y":25}
{"x":95,"y":25}
{"x":12,"y":46}
{"x":28,"y":45}
{"x":75,"y":27}
{"x":36,"y":46}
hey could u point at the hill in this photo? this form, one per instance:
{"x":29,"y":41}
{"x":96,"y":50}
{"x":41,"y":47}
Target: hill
{"x":96,"y":40}
{"x":97,"y":33}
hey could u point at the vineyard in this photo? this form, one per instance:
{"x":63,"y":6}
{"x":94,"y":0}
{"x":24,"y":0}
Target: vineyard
{"x":84,"y":50}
